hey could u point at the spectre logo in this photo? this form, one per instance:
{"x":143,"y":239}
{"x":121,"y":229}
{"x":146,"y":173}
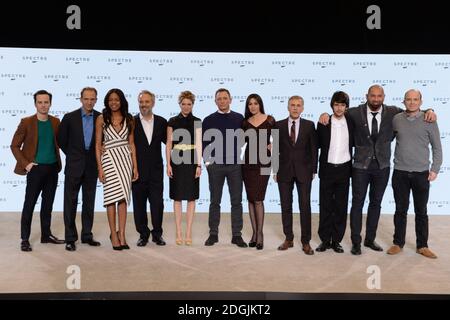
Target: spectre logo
{"x":98,"y":78}
{"x":263,"y":81}
{"x":302,"y":82}
{"x":181,"y":80}
{"x":242,"y":63}
{"x":405,"y":64}
{"x":139,"y":79}
{"x":443,"y":65}
{"x":119,"y":61}
{"x":77,"y":60}
{"x":160,"y":62}
{"x":56,"y":77}
{"x":283,"y":63}
{"x":322,"y":99}
{"x":13,"y":76}
{"x":203,"y":97}
{"x":425,"y":83}
{"x":162,"y":97}
{"x":280,"y":99}
{"x":364,"y":64}
{"x":222,"y":80}
{"x":34,"y":59}
{"x":323,"y":64}
{"x":202,"y":62}
{"x":442,"y":100}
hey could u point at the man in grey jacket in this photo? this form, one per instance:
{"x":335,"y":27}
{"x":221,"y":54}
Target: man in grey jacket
{"x":412,"y":170}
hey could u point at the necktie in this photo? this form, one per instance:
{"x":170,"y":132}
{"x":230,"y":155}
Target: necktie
{"x":292,"y":135}
{"x":374,"y":133}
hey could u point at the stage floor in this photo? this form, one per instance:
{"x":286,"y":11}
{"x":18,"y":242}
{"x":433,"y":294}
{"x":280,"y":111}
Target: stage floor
{"x":223,"y":267}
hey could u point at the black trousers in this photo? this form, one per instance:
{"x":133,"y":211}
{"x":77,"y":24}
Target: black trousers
{"x":217,"y":173}
{"x":334,"y":188}
{"x":151,"y":191}
{"x":72,"y":187}
{"x":42,"y":178}
{"x":402,"y":184}
{"x":361,"y":179}
{"x":304,"y":197}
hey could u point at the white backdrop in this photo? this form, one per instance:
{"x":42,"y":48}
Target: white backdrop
{"x":273,"y":76}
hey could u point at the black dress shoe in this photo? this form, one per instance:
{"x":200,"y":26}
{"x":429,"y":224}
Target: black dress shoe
{"x":52,"y":239}
{"x":91,"y":242}
{"x":323,"y":246}
{"x":373,"y":245}
{"x":356,"y":249}
{"x":237,"y":240}
{"x":336,"y":246}
{"x":25,"y":246}
{"x":159,"y":241}
{"x":142,"y":242}
{"x":211,"y":240}
{"x":252,"y":244}
{"x":259,"y":246}
{"x":70,"y":246}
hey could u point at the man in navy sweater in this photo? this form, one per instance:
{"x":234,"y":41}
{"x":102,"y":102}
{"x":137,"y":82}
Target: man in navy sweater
{"x":222,"y":160}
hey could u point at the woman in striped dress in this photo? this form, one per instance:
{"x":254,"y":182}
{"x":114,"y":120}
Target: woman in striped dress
{"x":116,"y":161}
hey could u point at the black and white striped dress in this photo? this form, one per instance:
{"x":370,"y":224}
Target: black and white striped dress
{"x":117,"y":166}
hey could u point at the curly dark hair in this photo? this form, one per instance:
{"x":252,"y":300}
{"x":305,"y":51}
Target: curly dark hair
{"x":123,"y":109}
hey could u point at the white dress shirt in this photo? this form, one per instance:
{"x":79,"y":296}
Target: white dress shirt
{"x":370,"y":117}
{"x":339,"y":150}
{"x":148,"y":127}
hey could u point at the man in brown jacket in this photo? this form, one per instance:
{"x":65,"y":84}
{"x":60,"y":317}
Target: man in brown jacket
{"x":297,"y":166}
{"x":37,"y":153}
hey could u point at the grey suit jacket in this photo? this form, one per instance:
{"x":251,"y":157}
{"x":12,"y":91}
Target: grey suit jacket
{"x":364,"y":148}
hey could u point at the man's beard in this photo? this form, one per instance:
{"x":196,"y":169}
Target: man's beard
{"x":374,"y":108}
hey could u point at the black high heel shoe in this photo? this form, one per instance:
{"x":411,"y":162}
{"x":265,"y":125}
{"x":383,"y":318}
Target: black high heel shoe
{"x":115,"y":248}
{"x":260,"y":242}
{"x":252,"y":244}
{"x":125,"y":246}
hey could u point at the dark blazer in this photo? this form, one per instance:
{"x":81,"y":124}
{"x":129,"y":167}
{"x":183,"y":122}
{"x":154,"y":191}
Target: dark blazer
{"x":149,"y":157}
{"x":298,"y":161}
{"x":25,"y":141}
{"x":324,"y":138}
{"x":364,"y":148}
{"x":79,"y":162}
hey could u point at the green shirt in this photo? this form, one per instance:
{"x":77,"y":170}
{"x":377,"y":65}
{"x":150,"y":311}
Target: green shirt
{"x":46,"y":149}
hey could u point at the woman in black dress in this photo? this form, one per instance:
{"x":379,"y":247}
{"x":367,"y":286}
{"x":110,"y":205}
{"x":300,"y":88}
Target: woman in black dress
{"x":183,"y":154}
{"x":256,"y":168}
